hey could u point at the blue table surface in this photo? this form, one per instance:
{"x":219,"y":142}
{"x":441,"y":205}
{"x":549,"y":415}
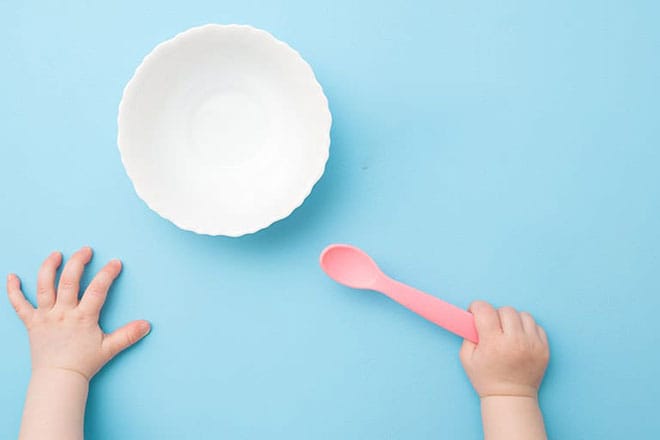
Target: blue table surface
{"x":508,"y":151}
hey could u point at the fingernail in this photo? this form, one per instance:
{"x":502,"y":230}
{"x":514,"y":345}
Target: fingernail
{"x":145,"y":327}
{"x":10,"y":276}
{"x":89,"y":253}
{"x":116,"y":264}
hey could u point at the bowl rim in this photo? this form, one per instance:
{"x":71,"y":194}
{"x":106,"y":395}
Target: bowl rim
{"x":323,"y":146}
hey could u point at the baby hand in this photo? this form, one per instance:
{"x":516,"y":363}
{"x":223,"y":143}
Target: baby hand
{"x":512,"y":354}
{"x":64,"y":331}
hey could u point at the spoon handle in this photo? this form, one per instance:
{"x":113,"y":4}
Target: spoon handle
{"x":448,"y":316}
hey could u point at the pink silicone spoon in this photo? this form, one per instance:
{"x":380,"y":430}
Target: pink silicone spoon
{"x":352,"y":267}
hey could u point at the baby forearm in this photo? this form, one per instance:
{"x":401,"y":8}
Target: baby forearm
{"x":54,"y":406}
{"x":512,"y":418}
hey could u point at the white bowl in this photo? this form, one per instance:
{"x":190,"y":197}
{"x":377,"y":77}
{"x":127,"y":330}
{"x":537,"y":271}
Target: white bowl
{"x":224,"y":130}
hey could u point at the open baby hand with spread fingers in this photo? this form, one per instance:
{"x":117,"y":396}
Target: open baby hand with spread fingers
{"x":506,"y":368}
{"x":67,"y":345}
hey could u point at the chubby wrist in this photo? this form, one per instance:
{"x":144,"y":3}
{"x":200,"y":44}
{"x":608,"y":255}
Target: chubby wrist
{"x":514,"y":402}
{"x":512,"y":417}
{"x":59,"y":375}
{"x":504,"y":389}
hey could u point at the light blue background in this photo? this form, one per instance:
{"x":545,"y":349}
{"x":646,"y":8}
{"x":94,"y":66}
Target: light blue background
{"x":508,"y":151}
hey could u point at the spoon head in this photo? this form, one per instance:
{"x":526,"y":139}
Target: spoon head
{"x":350,"y":266}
